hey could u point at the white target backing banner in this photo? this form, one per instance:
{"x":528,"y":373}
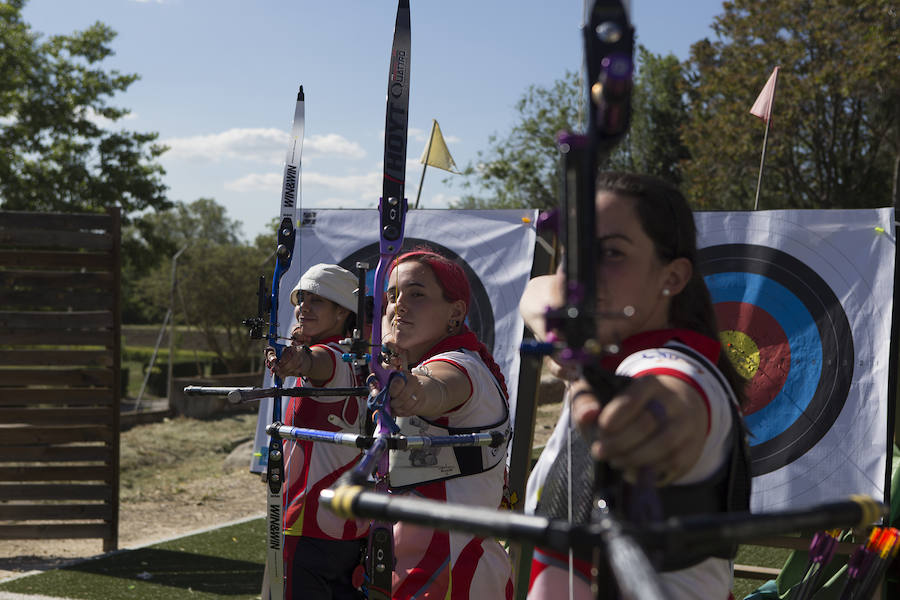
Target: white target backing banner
{"x":495,"y":247}
{"x":804,"y":299}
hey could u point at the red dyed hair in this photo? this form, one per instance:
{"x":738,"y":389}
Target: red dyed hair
{"x":450,"y":276}
{"x":455,"y":286}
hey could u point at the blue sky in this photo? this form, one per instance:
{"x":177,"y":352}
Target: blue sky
{"x":219,"y":78}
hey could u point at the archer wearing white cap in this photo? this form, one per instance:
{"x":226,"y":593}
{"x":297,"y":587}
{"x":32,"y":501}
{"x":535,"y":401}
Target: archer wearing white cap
{"x":321,"y":550}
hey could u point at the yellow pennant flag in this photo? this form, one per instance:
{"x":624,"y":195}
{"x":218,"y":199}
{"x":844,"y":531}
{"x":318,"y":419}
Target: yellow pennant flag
{"x":436,"y":153}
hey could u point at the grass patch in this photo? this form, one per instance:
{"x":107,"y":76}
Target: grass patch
{"x":224,"y":563}
{"x":759,"y":556}
{"x":177,"y":451}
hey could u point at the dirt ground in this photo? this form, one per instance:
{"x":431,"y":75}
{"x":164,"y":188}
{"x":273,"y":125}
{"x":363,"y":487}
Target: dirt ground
{"x":179,"y":476}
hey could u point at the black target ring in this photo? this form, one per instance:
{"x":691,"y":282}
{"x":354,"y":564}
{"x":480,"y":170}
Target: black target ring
{"x":834,"y":333}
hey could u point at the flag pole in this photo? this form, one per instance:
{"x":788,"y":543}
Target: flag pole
{"x":425,"y":166}
{"x":762,"y":162}
{"x":762,"y":108}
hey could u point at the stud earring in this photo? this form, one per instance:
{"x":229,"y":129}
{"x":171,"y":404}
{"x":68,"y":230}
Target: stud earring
{"x":666,"y":292}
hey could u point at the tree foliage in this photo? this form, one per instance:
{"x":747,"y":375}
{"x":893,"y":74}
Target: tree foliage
{"x":654,"y":142}
{"x":833,"y":139}
{"x":55,"y":155}
{"x":522,"y":168}
{"x":216,"y":276}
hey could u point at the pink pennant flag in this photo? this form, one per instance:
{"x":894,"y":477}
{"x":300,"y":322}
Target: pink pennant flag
{"x":762,"y":108}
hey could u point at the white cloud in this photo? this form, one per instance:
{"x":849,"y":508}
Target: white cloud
{"x":414,"y":134}
{"x":334,"y":144}
{"x":256,"y":144}
{"x":256,"y":182}
{"x":351,"y":186}
{"x":368,"y":184}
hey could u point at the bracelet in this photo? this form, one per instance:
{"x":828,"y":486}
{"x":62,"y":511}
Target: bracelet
{"x":582,"y":392}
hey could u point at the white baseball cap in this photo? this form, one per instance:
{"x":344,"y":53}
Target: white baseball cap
{"x":329,"y":281}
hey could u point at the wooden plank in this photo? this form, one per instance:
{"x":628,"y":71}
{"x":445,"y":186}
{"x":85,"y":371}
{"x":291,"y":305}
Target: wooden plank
{"x":56,"y":298}
{"x":55,"y":358}
{"x":59,"y":338}
{"x":13,"y":219}
{"x":37,"y":238}
{"x":111,"y":538}
{"x":54,"y":491}
{"x":56,"y":396}
{"x":60,"y":262}
{"x":14,"y":435}
{"x":42,"y":473}
{"x":751,"y":572}
{"x":53,"y":532}
{"x":52,"y":320}
{"x":85,"y":377}
{"x":799,"y":543}
{"x":55,"y":454}
{"x":56,"y":260}
{"x":54,"y":512}
{"x":31,"y":279}
{"x":57,"y":416}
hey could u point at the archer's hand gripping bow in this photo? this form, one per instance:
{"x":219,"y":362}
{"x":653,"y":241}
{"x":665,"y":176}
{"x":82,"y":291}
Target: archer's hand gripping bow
{"x":392,"y":207}
{"x":608,"y":53}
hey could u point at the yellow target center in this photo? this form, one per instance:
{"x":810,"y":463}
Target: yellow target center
{"x":742,"y":351}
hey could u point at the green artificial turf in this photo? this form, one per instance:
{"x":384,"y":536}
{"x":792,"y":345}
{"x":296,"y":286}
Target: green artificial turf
{"x":222,"y":563}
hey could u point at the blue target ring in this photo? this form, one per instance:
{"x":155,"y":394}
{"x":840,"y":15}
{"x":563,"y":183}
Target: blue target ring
{"x":803,"y":337}
{"x":820,"y":339}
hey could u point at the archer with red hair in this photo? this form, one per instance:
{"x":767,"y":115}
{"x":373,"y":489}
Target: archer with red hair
{"x":452,"y":385}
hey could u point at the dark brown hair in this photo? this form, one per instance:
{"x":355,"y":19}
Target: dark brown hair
{"x":668,"y":220}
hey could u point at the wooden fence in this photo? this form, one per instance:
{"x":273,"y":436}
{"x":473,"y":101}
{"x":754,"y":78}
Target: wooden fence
{"x":59,"y":376}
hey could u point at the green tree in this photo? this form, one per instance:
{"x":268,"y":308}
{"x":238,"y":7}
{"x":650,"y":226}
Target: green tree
{"x":832,"y":140}
{"x":654,"y":142}
{"x":522,"y":168}
{"x":155,"y":237}
{"x":55,"y":156}
{"x":216,"y":277}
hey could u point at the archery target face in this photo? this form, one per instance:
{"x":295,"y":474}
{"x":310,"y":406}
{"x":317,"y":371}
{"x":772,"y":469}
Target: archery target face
{"x":787,"y":334}
{"x":781,"y":284}
{"x":495,"y":247}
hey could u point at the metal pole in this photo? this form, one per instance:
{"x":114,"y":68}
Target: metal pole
{"x":425,"y":166}
{"x":169,"y":388}
{"x":762,"y":161}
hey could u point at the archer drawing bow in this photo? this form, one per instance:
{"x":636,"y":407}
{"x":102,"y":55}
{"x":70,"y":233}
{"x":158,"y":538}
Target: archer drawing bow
{"x":392,"y":208}
{"x":622,"y":567}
